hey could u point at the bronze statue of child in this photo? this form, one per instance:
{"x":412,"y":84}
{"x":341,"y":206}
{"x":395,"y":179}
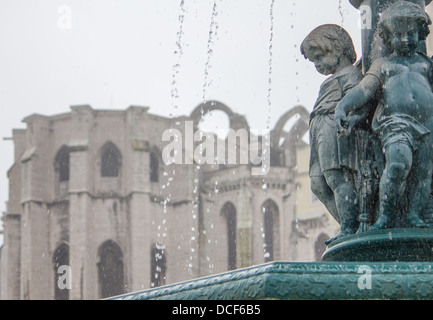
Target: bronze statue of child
{"x":402,"y":116}
{"x":332,"y":165}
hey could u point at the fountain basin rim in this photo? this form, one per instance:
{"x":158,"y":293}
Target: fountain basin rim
{"x":400,"y":244}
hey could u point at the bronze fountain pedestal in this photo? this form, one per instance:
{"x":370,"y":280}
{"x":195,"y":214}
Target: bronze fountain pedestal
{"x":399,"y":244}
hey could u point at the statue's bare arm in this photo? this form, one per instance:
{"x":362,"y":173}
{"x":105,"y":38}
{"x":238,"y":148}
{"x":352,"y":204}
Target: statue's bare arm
{"x":355,"y":99}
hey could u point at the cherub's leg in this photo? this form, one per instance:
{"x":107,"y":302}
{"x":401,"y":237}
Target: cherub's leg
{"x":324,"y":193}
{"x":420,"y":186}
{"x":342,"y":184}
{"x":398,"y":157}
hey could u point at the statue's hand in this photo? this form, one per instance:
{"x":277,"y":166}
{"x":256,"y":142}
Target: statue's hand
{"x":351,"y":121}
{"x":341,"y":122}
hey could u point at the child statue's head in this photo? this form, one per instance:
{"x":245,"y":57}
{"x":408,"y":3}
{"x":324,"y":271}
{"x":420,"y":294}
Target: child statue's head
{"x":403,"y":25}
{"x":330,"y":47}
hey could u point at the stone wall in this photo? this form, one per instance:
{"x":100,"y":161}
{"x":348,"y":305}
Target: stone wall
{"x":127,"y":217}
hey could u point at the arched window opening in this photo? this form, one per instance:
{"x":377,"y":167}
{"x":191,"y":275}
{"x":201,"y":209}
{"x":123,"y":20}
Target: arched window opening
{"x":110,"y":269}
{"x":158,"y":265}
{"x":270,"y":229}
{"x":275,"y":158}
{"x":215,"y":121}
{"x":61,"y":164}
{"x":229,"y":213}
{"x":61,"y":259}
{"x":154,"y":167}
{"x":110,"y":160}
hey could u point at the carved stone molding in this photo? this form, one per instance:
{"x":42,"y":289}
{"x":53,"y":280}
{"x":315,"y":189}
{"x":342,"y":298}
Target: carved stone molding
{"x":315,"y":280}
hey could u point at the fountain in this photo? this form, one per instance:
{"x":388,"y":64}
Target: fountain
{"x":392,"y":204}
{"x":385,"y":247}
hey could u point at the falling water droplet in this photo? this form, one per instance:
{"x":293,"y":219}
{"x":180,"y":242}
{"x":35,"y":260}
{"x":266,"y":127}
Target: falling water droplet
{"x":178,"y":53}
{"x":340,"y":10}
{"x":271,"y":14}
{"x":213,"y":31}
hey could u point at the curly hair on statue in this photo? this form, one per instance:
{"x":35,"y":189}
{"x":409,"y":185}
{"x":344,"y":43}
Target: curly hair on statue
{"x":403,"y":11}
{"x":330,"y":38}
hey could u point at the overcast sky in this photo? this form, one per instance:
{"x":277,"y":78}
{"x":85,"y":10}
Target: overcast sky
{"x":112,"y":54}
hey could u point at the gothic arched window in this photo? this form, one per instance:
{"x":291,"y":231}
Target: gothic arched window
{"x":154,"y":166}
{"x":229,"y":213}
{"x":110,"y":269}
{"x":110,"y":160}
{"x":60,"y":258}
{"x":61,"y":164}
{"x":270,"y":228}
{"x":158,"y":266}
